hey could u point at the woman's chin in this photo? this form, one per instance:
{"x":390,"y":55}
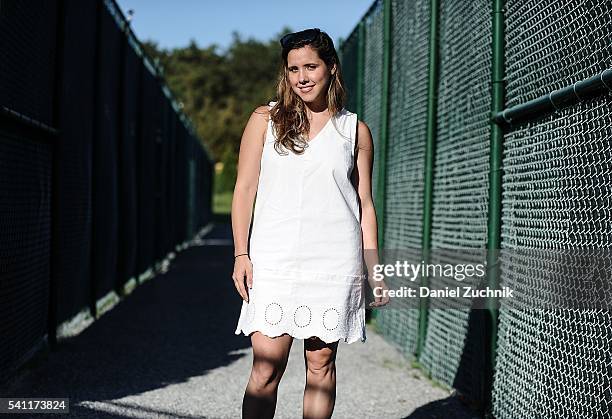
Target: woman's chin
{"x":307,"y":97}
{"x":310,"y":95}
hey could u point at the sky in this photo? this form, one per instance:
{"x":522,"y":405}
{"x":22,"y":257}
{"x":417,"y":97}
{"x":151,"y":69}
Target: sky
{"x":174,"y":23}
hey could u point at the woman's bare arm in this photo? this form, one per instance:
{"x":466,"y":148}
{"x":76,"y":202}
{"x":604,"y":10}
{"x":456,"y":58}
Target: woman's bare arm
{"x":362,"y":180}
{"x":249,"y":161}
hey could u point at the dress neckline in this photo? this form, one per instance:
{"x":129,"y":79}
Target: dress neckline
{"x":320,"y":131}
{"x":323,"y":129}
{"x":329,"y":121}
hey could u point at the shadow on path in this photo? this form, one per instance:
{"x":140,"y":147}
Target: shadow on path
{"x":175,"y":326}
{"x":448,"y":408}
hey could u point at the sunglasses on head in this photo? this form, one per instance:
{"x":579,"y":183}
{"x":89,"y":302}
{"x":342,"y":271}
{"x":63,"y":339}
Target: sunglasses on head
{"x":307,"y":35}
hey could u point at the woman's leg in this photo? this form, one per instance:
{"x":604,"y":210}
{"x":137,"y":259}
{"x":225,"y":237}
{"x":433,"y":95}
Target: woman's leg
{"x":320,"y":391}
{"x":270,"y":357}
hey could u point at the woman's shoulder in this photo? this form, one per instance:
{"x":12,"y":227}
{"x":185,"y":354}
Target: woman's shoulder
{"x":263,"y":111}
{"x":364,"y":135}
{"x":352,"y":116}
{"x":270,"y":105}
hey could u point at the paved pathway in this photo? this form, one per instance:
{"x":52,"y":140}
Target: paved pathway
{"x":169,"y":350}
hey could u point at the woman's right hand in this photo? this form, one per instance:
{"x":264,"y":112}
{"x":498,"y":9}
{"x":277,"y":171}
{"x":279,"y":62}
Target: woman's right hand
{"x":243,"y":268}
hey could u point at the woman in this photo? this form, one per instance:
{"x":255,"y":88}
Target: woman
{"x":309,"y":161}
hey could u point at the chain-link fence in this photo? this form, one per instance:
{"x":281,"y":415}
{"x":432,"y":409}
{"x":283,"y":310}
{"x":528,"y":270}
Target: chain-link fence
{"x":496,"y":136}
{"x":101,"y":174}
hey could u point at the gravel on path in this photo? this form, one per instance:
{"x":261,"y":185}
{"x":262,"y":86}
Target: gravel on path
{"x":168,"y":350}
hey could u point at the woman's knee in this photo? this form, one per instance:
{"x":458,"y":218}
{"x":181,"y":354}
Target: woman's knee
{"x":320,"y":357}
{"x":265,"y":374}
{"x":270,"y":356}
{"x":320,"y":366}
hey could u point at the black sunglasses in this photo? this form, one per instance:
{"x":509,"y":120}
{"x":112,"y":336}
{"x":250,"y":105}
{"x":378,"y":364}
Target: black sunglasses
{"x":307,"y":35}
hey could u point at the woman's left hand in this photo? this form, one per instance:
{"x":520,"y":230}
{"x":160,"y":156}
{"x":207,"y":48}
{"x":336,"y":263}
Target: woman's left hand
{"x":379,"y":288}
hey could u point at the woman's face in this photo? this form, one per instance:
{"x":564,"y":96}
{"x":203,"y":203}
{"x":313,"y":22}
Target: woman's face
{"x":308,"y":74}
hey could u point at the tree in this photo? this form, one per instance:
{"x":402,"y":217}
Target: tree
{"x":219,"y":91}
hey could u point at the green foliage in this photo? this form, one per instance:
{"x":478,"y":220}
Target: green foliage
{"x":220,"y":90}
{"x":222,"y":203}
{"x":227,"y":177}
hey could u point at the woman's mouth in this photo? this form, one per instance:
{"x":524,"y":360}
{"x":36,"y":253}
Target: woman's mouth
{"x":306,"y":89}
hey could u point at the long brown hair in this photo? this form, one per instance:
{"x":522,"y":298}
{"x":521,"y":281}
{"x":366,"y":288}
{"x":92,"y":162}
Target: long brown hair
{"x":289,"y":117}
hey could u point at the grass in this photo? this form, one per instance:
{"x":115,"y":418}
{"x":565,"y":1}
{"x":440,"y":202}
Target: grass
{"x":222,"y":202}
{"x":419,"y":370}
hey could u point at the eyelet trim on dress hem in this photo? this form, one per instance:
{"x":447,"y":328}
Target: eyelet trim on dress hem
{"x":270,"y":329}
{"x":269,"y":333}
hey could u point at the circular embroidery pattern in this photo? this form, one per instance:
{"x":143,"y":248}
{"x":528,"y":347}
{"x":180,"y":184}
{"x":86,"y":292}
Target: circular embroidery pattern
{"x":331,"y":318}
{"x":274,"y":313}
{"x":302,"y":316}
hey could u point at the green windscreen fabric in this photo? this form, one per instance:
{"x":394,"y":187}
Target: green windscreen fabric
{"x":25,"y":229}
{"x":406,"y":151}
{"x":349,"y":64}
{"x":373,"y":70}
{"x":460,"y":187}
{"x":555,"y":363}
{"x":93,"y":170}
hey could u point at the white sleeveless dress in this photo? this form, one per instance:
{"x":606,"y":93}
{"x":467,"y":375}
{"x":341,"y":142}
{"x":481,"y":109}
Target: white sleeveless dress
{"x":306,"y":243}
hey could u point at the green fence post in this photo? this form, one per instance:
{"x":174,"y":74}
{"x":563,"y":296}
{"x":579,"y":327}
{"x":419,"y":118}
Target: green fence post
{"x":430,"y":149}
{"x":360,"y":67}
{"x":384,"y":124}
{"x":495,"y":176}
{"x":361,"y":88}
{"x":381,"y":180}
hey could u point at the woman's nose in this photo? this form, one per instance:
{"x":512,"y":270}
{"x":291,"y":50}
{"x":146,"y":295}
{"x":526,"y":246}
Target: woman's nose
{"x":303,"y":77}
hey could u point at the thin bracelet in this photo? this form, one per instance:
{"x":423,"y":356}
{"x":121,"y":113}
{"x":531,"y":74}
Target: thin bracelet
{"x":240,"y":255}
